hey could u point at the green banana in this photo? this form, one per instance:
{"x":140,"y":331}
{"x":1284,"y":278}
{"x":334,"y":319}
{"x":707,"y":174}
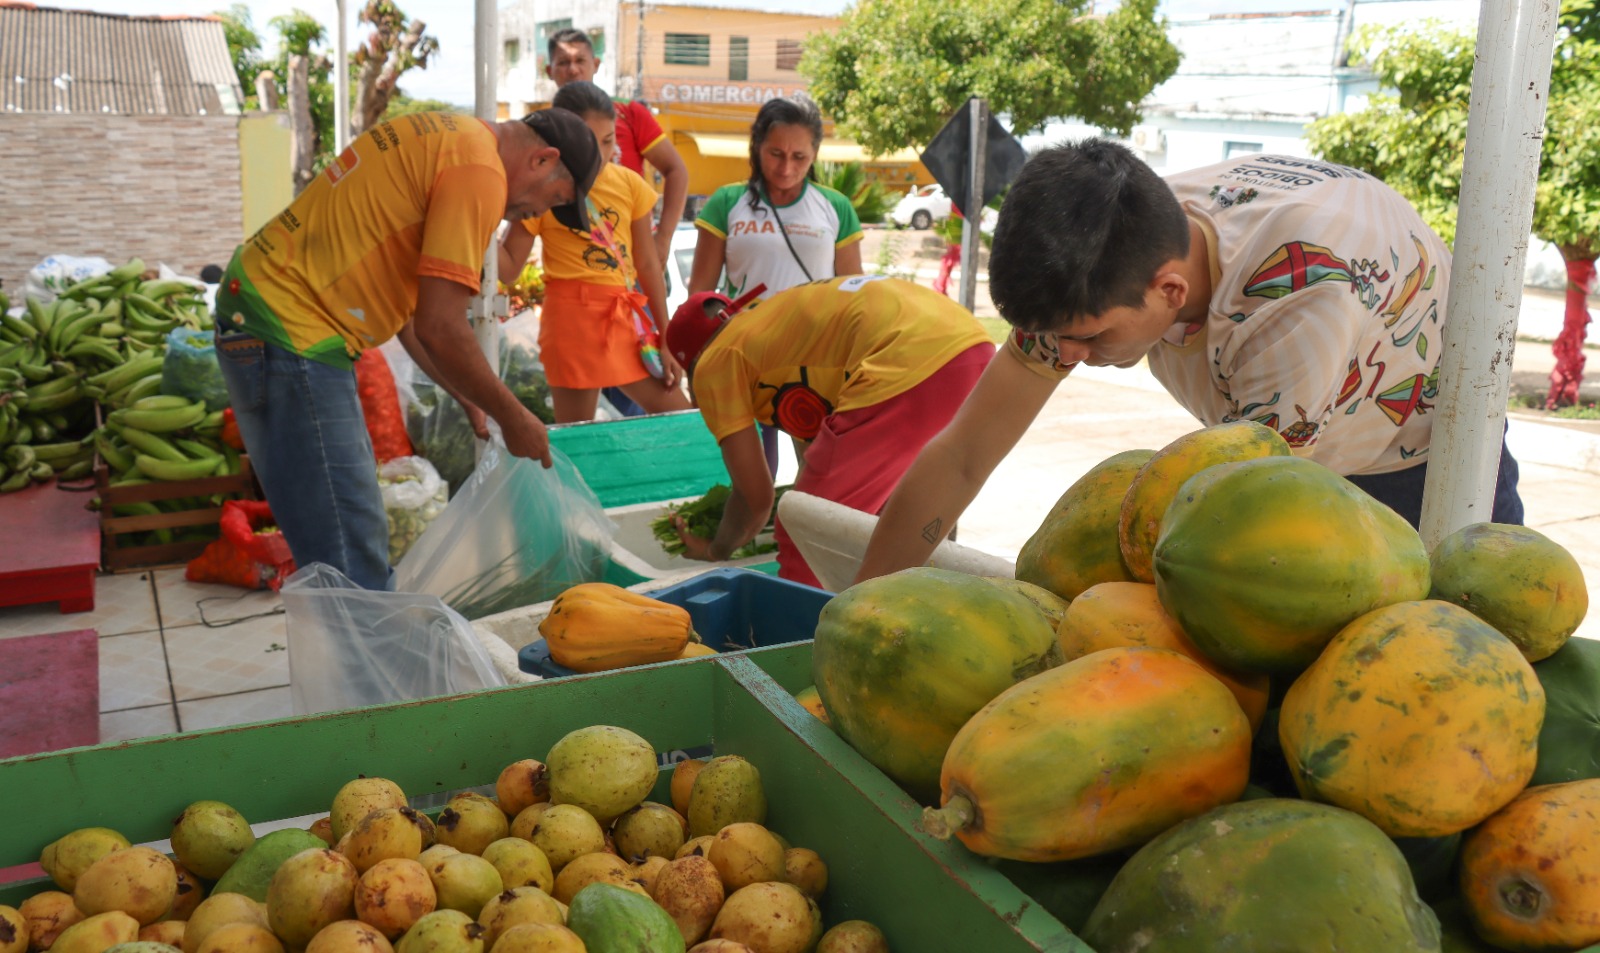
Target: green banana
{"x":112,"y":329}
{"x":123,"y":274}
{"x":16,"y":482}
{"x":150,"y":445}
{"x":232,"y":457}
{"x":10,"y":377}
{"x":77,"y":328}
{"x":114,"y":456}
{"x":160,"y":402}
{"x":11,"y":356}
{"x":172,"y":470}
{"x":22,"y":435}
{"x":42,"y":472}
{"x":5,"y":302}
{"x":42,"y":315}
{"x":18,"y":326}
{"x":76,"y":471}
{"x":54,"y":386}
{"x":157,"y":289}
{"x":56,"y":401}
{"x":35,"y":372}
{"x":160,"y":421}
{"x":20,"y":456}
{"x":58,"y":420}
{"x":52,"y":452}
{"x":97,"y":349}
{"x":43,"y":431}
{"x":151,"y":338}
{"x":147,"y":386}
{"x":127,"y":373}
{"x":197,"y":450}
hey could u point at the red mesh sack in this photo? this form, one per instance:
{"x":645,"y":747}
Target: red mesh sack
{"x":243,"y":556}
{"x":386,"y":420}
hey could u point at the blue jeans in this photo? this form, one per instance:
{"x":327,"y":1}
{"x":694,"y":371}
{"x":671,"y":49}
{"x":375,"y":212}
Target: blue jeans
{"x":1402,"y":490}
{"x":302,"y":425}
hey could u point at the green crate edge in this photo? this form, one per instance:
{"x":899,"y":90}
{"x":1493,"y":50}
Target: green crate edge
{"x":927,"y":895}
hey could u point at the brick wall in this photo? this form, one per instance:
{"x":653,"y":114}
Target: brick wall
{"x":164,"y":188}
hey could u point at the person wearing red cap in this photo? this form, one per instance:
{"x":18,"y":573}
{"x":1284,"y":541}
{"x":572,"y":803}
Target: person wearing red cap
{"x":864,"y":369}
{"x":387,"y":241}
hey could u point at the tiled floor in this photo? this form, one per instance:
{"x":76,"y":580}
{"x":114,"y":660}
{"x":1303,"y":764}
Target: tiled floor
{"x":175,"y":655}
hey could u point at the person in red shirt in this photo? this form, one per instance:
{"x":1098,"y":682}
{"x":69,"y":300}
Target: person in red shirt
{"x":640,"y":138}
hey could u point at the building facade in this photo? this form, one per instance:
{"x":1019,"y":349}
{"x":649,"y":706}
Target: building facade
{"x":704,"y":68}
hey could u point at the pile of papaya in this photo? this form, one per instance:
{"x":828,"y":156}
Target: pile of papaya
{"x":1232,"y":702}
{"x":568,"y":856}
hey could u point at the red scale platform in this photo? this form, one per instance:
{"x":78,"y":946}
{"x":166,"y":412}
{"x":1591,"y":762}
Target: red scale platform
{"x":49,"y":548}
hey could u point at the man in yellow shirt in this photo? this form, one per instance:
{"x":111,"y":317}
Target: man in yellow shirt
{"x":388,"y":240}
{"x":865,"y":369}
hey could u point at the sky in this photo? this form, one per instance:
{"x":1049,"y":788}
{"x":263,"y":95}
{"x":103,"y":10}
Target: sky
{"x":449,"y":75}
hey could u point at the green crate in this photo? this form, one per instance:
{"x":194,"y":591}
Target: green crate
{"x":927,"y":895}
{"x":647,"y":459}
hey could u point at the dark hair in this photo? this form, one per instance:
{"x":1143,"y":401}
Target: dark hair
{"x":782,"y":111}
{"x":568,"y":35}
{"x":583,"y":98}
{"x":1084,"y":229}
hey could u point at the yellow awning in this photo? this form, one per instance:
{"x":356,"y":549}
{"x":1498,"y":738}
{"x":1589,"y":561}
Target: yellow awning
{"x":724,"y":145}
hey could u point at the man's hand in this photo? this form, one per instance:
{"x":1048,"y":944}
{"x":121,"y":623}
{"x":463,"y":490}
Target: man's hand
{"x":694,"y":547}
{"x":477,"y":418}
{"x":525,"y":435}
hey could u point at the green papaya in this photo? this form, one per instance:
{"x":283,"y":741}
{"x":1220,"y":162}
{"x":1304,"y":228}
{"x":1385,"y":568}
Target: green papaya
{"x":1076,"y":544}
{"x":1254,"y":876}
{"x":252,"y":873}
{"x":1569,"y":742}
{"x":610,"y":919}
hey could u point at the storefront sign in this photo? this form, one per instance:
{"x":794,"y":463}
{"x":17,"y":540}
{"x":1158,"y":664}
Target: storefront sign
{"x":701,"y":93}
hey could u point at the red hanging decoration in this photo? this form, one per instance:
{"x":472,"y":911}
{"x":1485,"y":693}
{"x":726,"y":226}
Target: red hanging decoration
{"x":1568,"y":373}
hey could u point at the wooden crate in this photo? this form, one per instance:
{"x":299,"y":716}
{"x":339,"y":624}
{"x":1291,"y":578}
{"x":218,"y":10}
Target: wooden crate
{"x":121,"y":557}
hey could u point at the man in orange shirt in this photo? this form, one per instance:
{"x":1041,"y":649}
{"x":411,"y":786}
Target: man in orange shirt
{"x":388,"y":241}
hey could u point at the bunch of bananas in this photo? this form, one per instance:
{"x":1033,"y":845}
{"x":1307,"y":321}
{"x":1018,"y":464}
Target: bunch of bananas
{"x":164,"y":437}
{"x":103,"y":339}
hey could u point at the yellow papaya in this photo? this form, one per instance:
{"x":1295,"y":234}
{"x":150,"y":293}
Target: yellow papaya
{"x":1157,"y":482}
{"x":1122,"y":614}
{"x":1075,"y":545}
{"x":596,"y":626}
{"x":1417,"y":716}
{"x":1099,"y":754}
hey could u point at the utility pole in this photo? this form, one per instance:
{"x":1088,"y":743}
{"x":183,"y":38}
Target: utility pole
{"x":638,"y":55}
{"x":341,"y":83}
{"x":972,"y":228}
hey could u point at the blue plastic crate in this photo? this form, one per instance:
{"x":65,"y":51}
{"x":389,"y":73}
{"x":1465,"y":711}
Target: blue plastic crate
{"x":730,"y":609}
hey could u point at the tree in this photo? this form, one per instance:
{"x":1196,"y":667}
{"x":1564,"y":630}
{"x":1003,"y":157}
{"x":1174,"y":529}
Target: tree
{"x":897,"y":69}
{"x":394,"y":47}
{"x":1413,"y":138}
{"x":403,"y":105}
{"x":311,"y":111}
{"x":867,"y":196}
{"x":244,"y":48}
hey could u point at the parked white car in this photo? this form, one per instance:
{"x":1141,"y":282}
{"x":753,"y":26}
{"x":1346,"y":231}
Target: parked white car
{"x":921,"y":207}
{"x":680,"y":264}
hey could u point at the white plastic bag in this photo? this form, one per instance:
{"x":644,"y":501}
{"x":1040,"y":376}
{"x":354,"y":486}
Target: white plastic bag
{"x":350,"y":646}
{"x":57,"y":273}
{"x":413,"y":496}
{"x":516,"y":534}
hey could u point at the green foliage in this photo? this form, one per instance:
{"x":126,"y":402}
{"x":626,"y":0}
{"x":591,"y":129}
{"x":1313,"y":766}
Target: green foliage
{"x":1413,"y":135}
{"x":871,"y":200}
{"x":897,"y":69}
{"x":403,"y":105}
{"x":303,"y":35}
{"x":244,"y":49}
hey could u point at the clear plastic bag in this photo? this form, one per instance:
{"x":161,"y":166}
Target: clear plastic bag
{"x":515,"y":535}
{"x":191,"y":370}
{"x":350,"y":646}
{"x":436,"y":424}
{"x":413,"y":497}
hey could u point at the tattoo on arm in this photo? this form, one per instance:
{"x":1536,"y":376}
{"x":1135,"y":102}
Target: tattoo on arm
{"x":930,"y":532}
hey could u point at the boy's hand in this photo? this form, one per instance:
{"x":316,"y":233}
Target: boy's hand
{"x":671,"y":368}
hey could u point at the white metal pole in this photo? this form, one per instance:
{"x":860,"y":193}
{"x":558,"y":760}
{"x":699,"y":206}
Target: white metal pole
{"x":341,"y":82}
{"x":489,"y":304}
{"x":971,"y":229}
{"x":1505,"y":128}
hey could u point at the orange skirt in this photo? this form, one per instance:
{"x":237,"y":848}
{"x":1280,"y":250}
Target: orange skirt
{"x":587,"y":338}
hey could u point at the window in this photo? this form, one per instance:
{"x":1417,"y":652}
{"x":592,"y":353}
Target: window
{"x":597,"y":39}
{"x":789,"y":54}
{"x":513,"y":52}
{"x":738,"y":57}
{"x":1232,"y":150}
{"x":688,"y":49}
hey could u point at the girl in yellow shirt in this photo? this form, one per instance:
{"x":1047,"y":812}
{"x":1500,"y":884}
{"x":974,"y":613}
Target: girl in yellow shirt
{"x":594,"y":331}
